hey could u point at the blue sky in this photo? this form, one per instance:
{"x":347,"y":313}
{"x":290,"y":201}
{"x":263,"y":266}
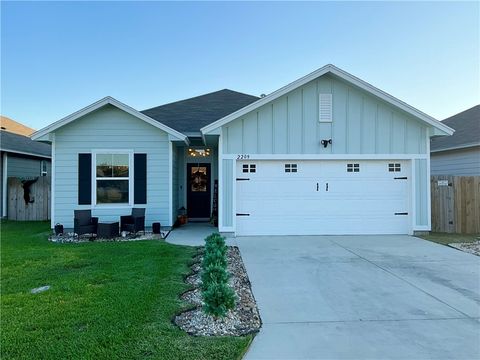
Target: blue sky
{"x":57,"y":57}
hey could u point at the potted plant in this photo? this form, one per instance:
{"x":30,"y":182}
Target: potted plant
{"x":182,"y":216}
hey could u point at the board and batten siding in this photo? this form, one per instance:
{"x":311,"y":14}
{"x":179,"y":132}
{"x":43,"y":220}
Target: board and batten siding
{"x":111,"y":128}
{"x":362,"y":124}
{"x":462,"y":162}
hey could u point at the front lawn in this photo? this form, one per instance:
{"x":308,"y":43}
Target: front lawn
{"x":107,"y":300}
{"x":445,"y":238}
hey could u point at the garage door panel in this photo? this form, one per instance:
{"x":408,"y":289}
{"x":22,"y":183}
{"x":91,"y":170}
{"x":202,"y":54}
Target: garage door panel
{"x":363,"y":202}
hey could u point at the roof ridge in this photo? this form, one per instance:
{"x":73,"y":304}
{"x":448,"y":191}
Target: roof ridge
{"x":199,"y":96}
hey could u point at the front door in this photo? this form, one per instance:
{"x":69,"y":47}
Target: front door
{"x":198,"y":190}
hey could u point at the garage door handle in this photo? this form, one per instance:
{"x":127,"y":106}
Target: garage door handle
{"x":243,"y":214}
{"x":400,"y":178}
{"x":401,"y":213}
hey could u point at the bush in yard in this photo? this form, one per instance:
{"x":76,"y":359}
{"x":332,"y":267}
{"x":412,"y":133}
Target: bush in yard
{"x":215,"y":242}
{"x":214,"y":273}
{"x":218,"y":298}
{"x":214,"y":257}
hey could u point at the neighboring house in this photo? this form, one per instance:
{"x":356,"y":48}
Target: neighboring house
{"x":326,"y":154}
{"x":458,"y":154}
{"x":15,"y":127}
{"x":23,"y":158}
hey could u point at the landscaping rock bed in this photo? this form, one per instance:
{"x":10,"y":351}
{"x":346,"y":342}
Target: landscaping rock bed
{"x":72,"y":238}
{"x":471,"y":248}
{"x":243,"y":319}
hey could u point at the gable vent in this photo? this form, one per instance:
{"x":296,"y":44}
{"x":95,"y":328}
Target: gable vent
{"x":325,"y":108}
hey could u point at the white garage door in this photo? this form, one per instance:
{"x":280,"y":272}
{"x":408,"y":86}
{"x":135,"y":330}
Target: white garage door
{"x":322,"y":197}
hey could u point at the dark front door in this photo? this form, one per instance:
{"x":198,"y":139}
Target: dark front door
{"x":198,"y":190}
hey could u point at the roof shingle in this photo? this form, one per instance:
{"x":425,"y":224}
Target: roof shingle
{"x":190,"y":115}
{"x":23,"y":144}
{"x":467,"y":130}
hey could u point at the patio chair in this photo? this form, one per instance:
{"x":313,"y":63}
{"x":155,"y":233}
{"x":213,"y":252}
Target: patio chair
{"x":135,"y":222}
{"x":84,"y":223}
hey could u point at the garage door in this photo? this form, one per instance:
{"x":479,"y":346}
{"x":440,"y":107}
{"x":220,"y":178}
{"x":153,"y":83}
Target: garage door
{"x":322,"y":197}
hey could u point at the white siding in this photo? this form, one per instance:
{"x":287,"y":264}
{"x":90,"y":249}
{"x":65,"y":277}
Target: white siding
{"x":456,"y":162}
{"x":110,"y":128}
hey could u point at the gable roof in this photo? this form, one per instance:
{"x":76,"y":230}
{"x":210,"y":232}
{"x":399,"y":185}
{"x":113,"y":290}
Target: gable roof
{"x":15,"y":127}
{"x":96,"y":105}
{"x":20,"y":144}
{"x":467,"y":131}
{"x":190,"y":115}
{"x":445,"y":130}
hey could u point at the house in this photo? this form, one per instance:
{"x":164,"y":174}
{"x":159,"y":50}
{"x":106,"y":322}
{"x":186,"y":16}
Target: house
{"x":20,"y":157}
{"x":15,"y":127}
{"x":458,"y":154}
{"x":326,"y":154}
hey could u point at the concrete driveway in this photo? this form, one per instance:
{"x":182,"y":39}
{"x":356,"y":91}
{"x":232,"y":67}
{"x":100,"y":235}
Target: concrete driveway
{"x":363,"y":297}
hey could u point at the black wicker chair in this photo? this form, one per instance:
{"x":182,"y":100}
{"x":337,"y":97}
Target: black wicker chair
{"x":135,"y":222}
{"x":84,"y":223}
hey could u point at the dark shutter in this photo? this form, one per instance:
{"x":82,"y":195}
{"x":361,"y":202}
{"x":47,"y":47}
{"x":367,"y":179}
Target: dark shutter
{"x":84,"y":179}
{"x":140,"y":178}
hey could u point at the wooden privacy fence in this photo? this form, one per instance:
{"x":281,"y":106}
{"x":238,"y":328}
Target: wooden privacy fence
{"x":456,"y":204}
{"x":29,"y":199}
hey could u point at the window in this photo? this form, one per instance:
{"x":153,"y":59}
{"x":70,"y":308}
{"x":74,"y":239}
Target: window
{"x":112,"y":178}
{"x":325,"y":108}
{"x":394,"y":167}
{"x":353,"y":167}
{"x":249,"y":168}
{"x":291,"y":168}
{"x":43,"y":168}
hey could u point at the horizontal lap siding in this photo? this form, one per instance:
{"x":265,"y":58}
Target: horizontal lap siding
{"x":362,"y":124}
{"x":110,"y":128}
{"x":456,"y":162}
{"x":25,"y":167}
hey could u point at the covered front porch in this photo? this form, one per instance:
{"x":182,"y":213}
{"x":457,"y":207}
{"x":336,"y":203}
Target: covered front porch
{"x":195,"y":181}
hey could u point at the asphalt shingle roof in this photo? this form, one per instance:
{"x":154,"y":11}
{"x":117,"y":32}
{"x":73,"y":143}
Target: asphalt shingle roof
{"x":190,"y":115}
{"x":467,"y":130}
{"x":19,"y":143}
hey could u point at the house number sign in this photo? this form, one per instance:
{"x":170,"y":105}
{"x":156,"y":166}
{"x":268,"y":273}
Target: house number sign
{"x":243,"y":157}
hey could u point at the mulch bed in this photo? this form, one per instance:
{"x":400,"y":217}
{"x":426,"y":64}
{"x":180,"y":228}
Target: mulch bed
{"x":243,"y":319}
{"x":70,"y":237}
{"x":471,"y":248}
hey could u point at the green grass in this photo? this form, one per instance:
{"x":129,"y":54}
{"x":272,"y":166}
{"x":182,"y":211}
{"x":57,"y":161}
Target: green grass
{"x":445,"y":239}
{"x":107,"y":300}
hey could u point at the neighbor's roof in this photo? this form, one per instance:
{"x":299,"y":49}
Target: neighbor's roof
{"x":15,"y":143}
{"x":190,"y":115}
{"x":15,"y":127}
{"x":467,"y":131}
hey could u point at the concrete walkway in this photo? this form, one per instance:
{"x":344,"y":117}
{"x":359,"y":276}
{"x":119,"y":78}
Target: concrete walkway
{"x":363,"y":297}
{"x":191,"y":234}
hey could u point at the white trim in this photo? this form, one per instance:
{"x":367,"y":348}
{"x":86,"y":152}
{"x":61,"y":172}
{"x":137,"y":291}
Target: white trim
{"x":459,"y":147}
{"x":4,"y":184}
{"x":130,"y":179}
{"x":413,"y":193}
{"x":427,"y":179}
{"x":234,"y":197}
{"x":170,"y":184}
{"x":26,"y":153}
{"x":325,"y":156}
{"x":421,"y":228}
{"x":52,"y":184}
{"x":220,"y":184}
{"x":100,"y":103}
{"x":341,"y":74}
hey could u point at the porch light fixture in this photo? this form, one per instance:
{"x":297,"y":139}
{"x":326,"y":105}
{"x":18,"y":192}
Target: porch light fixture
{"x":198,"y":152}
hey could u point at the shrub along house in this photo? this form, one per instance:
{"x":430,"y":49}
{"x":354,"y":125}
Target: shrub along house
{"x":326,"y":154}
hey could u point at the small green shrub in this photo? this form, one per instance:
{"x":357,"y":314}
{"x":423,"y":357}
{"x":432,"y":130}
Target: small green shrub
{"x":215,"y":242}
{"x":218,"y":298}
{"x":216,"y":256}
{"x":214,"y":273}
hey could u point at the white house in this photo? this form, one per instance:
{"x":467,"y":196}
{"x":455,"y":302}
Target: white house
{"x":326,"y":154}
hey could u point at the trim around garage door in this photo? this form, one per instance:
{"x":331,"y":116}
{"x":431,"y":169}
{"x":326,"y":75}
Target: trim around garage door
{"x":231,"y":182}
